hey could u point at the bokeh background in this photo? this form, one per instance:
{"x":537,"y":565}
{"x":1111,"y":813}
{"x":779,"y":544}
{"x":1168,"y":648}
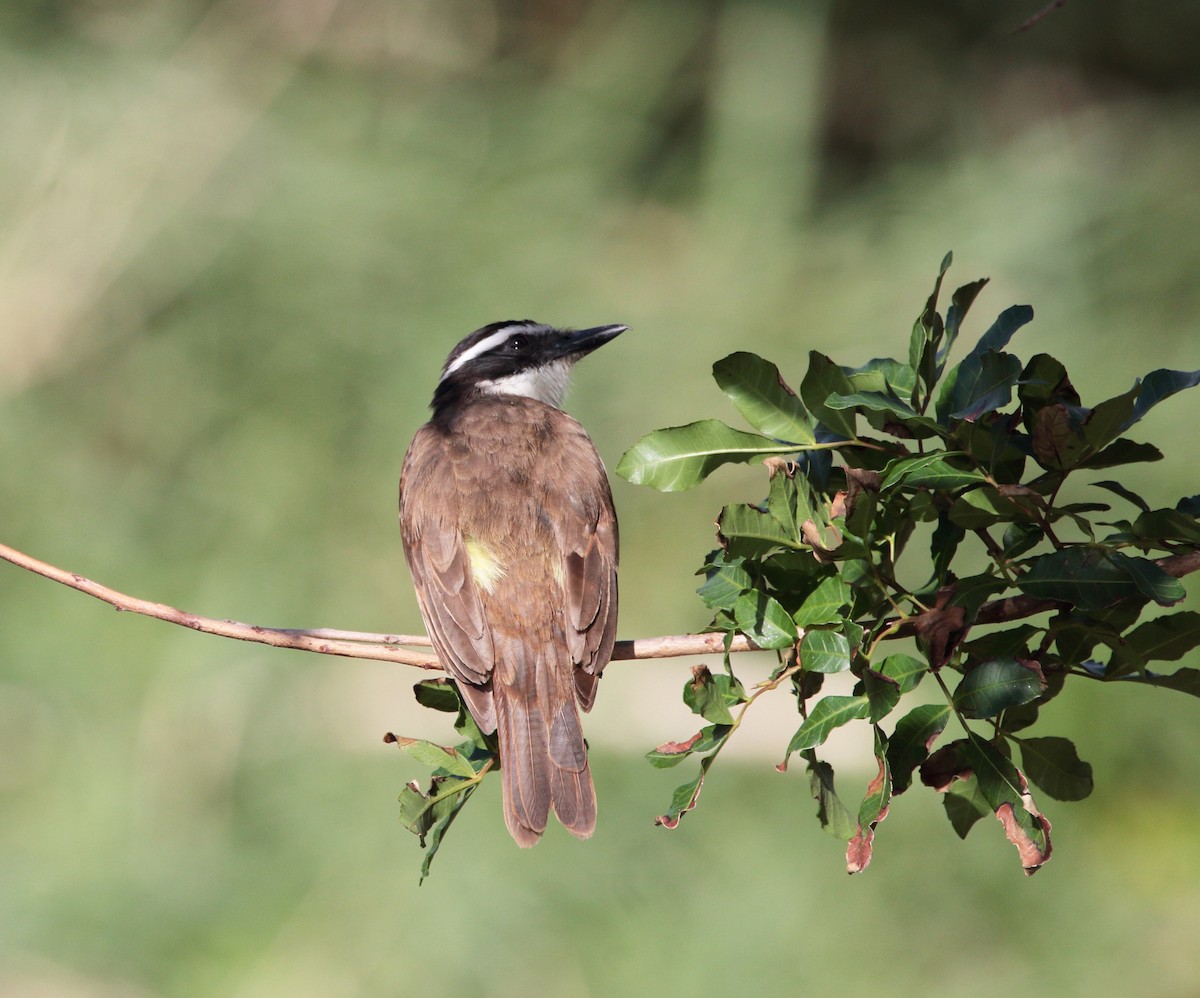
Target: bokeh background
{"x":237,"y":239}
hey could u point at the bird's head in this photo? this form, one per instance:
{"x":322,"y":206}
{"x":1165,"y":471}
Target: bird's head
{"x":517,"y":358}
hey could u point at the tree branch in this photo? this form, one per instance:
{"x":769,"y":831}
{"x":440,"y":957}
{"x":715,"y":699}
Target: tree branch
{"x":397,"y":648}
{"x":330,"y":641}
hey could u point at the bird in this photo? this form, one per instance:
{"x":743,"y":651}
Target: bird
{"x":510,"y":534}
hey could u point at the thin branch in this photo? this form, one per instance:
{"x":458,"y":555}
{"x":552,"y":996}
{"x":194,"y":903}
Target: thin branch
{"x":358,"y":647}
{"x":1040,"y":15}
{"x":348,"y":644}
{"x":391,"y":647}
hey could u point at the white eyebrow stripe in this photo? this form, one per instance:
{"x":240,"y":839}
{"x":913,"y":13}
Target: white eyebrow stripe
{"x":482,"y":347}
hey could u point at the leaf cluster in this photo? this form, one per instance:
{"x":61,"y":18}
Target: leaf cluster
{"x":456,"y":772}
{"x":926,"y":499}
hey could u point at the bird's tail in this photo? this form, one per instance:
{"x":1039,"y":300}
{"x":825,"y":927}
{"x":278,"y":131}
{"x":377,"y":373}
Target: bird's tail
{"x":543,"y":758}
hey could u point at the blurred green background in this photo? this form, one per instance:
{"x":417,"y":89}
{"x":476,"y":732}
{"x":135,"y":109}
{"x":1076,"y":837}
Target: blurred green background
{"x":237,"y":240}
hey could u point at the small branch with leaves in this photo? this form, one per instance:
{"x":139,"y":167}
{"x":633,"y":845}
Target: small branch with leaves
{"x":978,"y":462}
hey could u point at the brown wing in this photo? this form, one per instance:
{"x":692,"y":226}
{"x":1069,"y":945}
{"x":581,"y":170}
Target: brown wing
{"x":587,"y":536}
{"x":447,"y":594}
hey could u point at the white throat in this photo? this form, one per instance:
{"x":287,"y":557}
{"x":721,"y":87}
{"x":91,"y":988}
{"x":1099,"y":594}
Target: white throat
{"x":546,"y":384}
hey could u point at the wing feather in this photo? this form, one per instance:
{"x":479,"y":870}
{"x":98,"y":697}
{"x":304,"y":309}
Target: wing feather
{"x":586,"y":530}
{"x":448,"y":596}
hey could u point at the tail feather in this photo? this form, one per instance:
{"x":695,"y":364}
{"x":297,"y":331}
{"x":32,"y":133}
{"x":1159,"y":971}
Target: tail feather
{"x":524,"y":766}
{"x":542,"y":753}
{"x":575,"y":801}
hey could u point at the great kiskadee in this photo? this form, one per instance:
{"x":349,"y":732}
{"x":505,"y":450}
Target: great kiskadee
{"x":511,"y":538}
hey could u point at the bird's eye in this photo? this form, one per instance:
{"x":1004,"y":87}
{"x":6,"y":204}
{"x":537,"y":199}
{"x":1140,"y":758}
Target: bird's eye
{"x":517,"y":343}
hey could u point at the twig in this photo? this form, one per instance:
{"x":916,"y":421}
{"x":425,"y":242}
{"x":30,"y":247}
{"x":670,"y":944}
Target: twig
{"x":391,"y":647}
{"x":1044,"y":12}
{"x":348,"y":644}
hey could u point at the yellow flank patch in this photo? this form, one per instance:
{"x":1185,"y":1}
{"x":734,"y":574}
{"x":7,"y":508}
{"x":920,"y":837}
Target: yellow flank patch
{"x":486,"y":568}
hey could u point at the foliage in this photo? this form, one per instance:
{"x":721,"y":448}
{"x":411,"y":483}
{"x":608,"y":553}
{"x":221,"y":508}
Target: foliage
{"x":456,"y":771}
{"x":870,"y":467}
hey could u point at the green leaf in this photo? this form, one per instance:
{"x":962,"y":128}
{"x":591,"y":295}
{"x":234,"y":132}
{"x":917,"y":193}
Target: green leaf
{"x":1053,"y":765}
{"x":429,"y":816}
{"x":984,"y":507}
{"x":927,"y":333}
{"x":1164,"y":639}
{"x":881,"y":374}
{"x":444,"y":811}
{"x":981,"y":383}
{"x":1086,"y":577}
{"x":992,"y":686}
{"x":751,"y":531}
{"x":887,"y":404}
{"x":1118,"y":489}
{"x":759,"y":393}
{"x":909,"y":745}
{"x":711,"y":696}
{"x":823,"y":380}
{"x":905,"y":670}
{"x":883,"y":692}
{"x":438,"y":694}
{"x":930,"y":471}
{"x":764,"y":620}
{"x":824,"y":651}
{"x":1004,"y":789}
{"x":1120,"y":452}
{"x":1020,"y":718}
{"x":724,"y":584}
{"x":960,"y":303}
{"x":943,"y":545}
{"x":673,"y":753}
{"x":1105,"y":422}
{"x":825,"y":604}
{"x":975,"y":590}
{"x":679,"y":457}
{"x":790,"y":504}
{"x":834,"y":816}
{"x":436,"y":757}
{"x":1008,"y":642}
{"x":1020,"y":538}
{"x":1153,"y":581}
{"x":1044,"y":382}
{"x":1167,"y":525}
{"x":1159,"y":385}
{"x":1183,"y":680}
{"x":1002,"y":330}
{"x":965,"y":805}
{"x":685,"y":797}
{"x":995,"y":446}
{"x":828,"y":713}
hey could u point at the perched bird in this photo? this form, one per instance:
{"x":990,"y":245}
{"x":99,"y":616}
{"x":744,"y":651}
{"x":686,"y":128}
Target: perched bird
{"x":511,"y":537}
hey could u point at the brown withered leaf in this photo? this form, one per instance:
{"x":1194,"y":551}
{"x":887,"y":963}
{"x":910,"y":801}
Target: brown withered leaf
{"x":945,"y":766}
{"x":859,"y":480}
{"x":942,"y":628}
{"x":775,"y":465}
{"x":859,"y":850}
{"x":838,"y":506}
{"x":1033,"y":857}
{"x":676,"y":748}
{"x":1056,"y":444}
{"x":1034,"y":666}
